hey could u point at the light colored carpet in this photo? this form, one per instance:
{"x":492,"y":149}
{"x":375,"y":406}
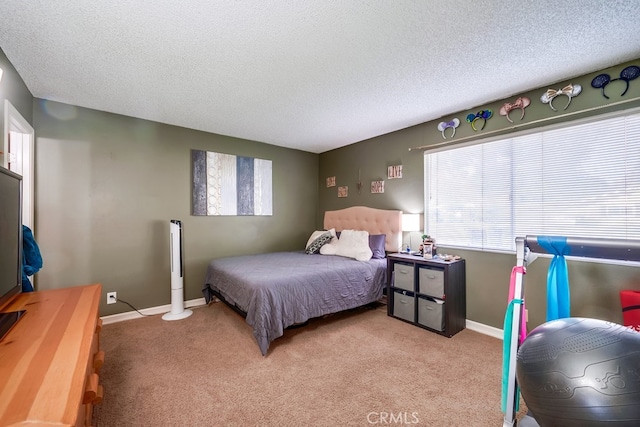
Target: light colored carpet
{"x":356,"y":368}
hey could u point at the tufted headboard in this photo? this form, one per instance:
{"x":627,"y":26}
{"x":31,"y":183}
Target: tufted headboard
{"x":374,"y":221}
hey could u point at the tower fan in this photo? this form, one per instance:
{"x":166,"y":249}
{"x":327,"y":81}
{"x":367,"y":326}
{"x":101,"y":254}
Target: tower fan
{"x":177,"y":273}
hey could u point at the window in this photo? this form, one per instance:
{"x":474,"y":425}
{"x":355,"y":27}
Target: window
{"x":581,"y":180}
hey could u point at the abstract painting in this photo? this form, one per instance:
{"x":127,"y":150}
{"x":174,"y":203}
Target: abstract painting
{"x":224,"y":184}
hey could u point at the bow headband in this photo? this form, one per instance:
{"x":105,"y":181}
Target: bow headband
{"x":453,"y":124}
{"x":569,"y":90}
{"x":483,"y":115}
{"x":631,"y":72}
{"x":519,"y":104}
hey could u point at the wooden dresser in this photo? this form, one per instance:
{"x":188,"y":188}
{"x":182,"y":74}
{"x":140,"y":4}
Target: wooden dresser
{"x":50,"y":360}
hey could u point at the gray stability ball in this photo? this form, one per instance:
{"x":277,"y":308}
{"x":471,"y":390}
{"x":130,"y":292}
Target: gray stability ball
{"x":581,"y":372}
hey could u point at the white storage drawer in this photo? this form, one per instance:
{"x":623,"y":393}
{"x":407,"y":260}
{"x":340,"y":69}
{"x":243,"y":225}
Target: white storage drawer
{"x":403,"y":276}
{"x":431,"y":282}
{"x":431,"y":313}
{"x":404,"y":305}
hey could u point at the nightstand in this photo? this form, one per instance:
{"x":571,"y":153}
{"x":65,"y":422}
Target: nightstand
{"x":428,"y":293}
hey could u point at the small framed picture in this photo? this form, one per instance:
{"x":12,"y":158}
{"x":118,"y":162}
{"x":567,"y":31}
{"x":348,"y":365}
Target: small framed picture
{"x":377,"y":187}
{"x":331,"y":181}
{"x":343,"y":191}
{"x":394,"y":172}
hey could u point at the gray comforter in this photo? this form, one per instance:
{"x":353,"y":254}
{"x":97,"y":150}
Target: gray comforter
{"x":280,"y":289}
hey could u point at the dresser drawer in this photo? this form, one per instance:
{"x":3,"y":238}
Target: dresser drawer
{"x":431,"y":282}
{"x":431,"y":313}
{"x":56,"y":376}
{"x":404,"y":305}
{"x":403,"y":276}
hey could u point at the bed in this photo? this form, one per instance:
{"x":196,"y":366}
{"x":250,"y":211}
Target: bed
{"x":274,"y":291}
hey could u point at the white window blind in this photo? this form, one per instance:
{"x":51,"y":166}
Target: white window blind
{"x":582,"y":180}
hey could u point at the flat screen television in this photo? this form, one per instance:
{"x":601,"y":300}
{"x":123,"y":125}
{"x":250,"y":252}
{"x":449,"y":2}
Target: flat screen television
{"x":10,"y":246}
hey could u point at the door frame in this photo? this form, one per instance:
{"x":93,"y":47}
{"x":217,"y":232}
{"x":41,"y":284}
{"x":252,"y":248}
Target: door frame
{"x":19,"y":157}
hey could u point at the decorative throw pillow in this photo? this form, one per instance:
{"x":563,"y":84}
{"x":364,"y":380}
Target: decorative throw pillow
{"x":317,"y":234}
{"x":351,"y":244}
{"x":376,"y":243}
{"x":314,"y":236}
{"x":330,"y":247}
{"x":318,"y":242}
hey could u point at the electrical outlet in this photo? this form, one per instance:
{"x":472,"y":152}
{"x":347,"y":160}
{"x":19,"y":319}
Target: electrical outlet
{"x":112,"y":297}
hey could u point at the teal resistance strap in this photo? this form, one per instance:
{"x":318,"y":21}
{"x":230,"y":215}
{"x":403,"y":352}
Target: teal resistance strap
{"x":558,"y":303}
{"x":506,"y":355}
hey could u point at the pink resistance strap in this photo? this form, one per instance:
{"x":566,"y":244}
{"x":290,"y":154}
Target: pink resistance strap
{"x":512,"y":291}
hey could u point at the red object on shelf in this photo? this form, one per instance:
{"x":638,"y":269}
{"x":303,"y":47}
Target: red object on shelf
{"x":630,"y":301}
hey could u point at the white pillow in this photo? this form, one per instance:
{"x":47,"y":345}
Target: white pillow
{"x":317,"y":234}
{"x":330,"y":248}
{"x":351,"y":244}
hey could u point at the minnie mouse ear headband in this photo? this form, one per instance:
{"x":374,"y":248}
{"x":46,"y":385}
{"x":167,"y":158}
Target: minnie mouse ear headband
{"x":569,"y":90}
{"x":600,"y":81}
{"x":519,"y":104}
{"x":483,"y":115}
{"x":453,"y":124}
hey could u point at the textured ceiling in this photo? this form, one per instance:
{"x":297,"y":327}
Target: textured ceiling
{"x":312,"y":75}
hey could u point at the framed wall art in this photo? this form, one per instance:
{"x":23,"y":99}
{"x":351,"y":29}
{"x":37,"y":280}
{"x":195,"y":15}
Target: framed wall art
{"x":377,"y":187}
{"x":331,"y":181}
{"x":394,"y":172}
{"x":224,"y":184}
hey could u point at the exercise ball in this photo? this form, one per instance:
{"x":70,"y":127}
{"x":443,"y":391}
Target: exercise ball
{"x":581,"y":372}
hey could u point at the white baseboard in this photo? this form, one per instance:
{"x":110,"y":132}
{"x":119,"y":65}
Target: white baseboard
{"x":148,"y":311}
{"x":470,"y":324}
{"x":485,"y":329}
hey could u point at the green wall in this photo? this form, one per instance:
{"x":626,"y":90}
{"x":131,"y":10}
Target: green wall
{"x":107,"y":186}
{"x":594,"y":286}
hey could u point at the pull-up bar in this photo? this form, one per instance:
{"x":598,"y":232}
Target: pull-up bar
{"x":614,"y":249}
{"x":618,"y":249}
